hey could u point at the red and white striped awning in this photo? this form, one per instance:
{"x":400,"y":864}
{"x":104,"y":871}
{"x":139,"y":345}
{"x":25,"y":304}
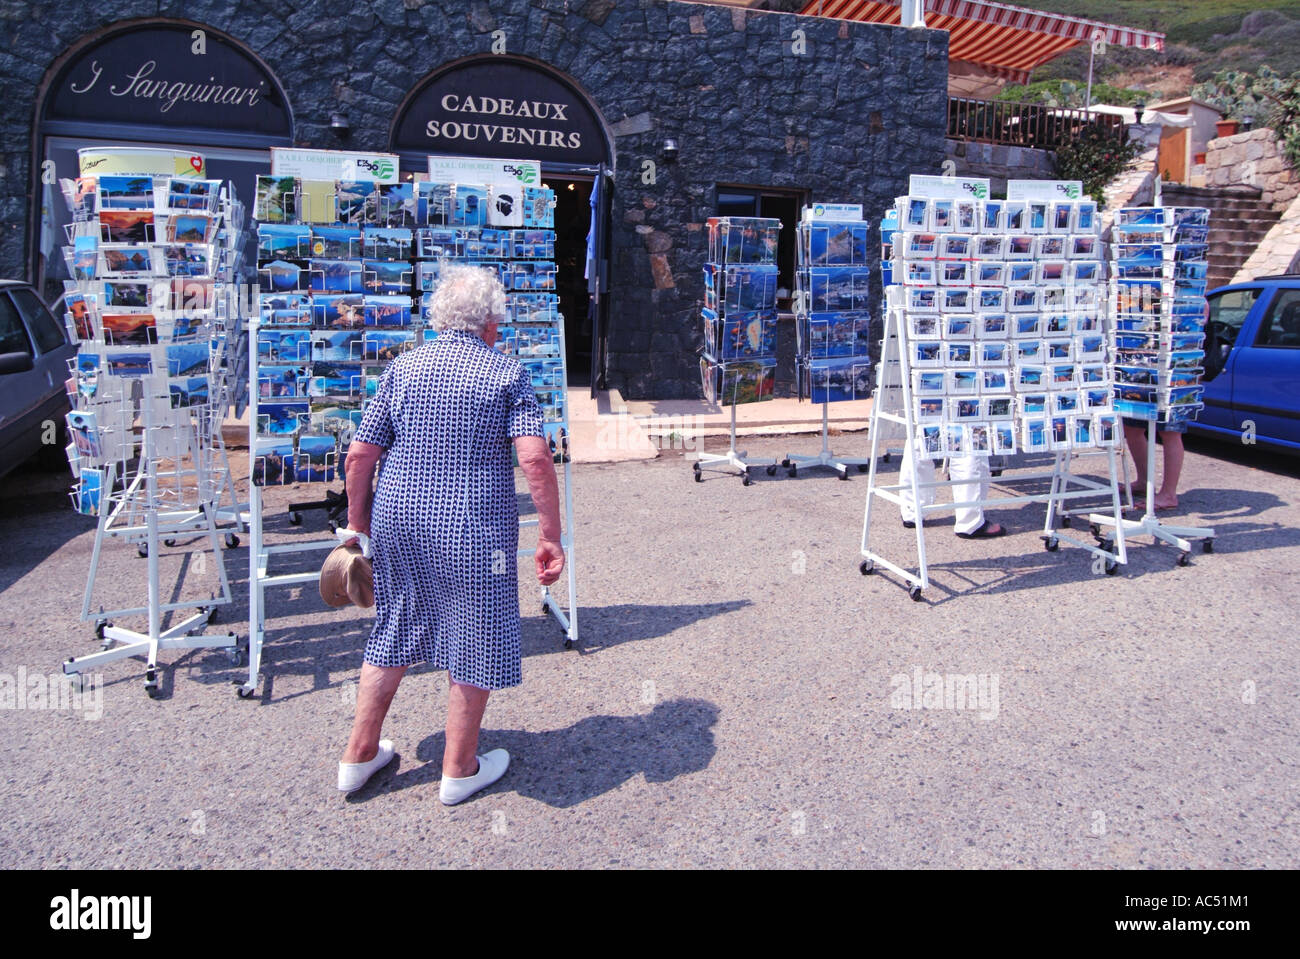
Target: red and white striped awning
{"x":1007,"y":40}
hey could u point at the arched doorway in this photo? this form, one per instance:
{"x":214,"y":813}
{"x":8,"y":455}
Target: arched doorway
{"x":150,"y":83}
{"x":515,"y":108}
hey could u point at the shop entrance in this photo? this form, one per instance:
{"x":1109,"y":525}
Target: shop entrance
{"x":572,"y":223}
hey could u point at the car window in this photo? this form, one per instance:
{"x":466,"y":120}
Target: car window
{"x":13,"y":335}
{"x":1281,"y":327}
{"x":1230,"y":310}
{"x":44,"y":328}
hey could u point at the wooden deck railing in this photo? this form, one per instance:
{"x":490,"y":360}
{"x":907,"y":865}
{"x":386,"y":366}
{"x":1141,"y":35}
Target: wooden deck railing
{"x":1024,"y":124}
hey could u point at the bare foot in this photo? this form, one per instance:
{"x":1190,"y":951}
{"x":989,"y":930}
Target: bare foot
{"x":1166,"y":502}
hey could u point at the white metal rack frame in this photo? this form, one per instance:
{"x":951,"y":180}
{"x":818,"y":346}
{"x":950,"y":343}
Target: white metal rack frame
{"x":1060,"y":477}
{"x":169,"y":238}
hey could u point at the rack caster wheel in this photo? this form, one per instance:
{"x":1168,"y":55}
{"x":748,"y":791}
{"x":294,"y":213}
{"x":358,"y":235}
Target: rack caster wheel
{"x":1051,"y":544}
{"x":695,"y":467}
{"x":295,"y":519}
{"x":1207,"y":546}
{"x":771,"y":470}
{"x":231,"y":541}
{"x":169,"y":542}
{"x":885,"y":458}
{"x":915,"y":593}
{"x":151,"y":683}
{"x":237,"y":657}
{"x":245,"y":692}
{"x":785,"y":463}
{"x":142,"y":550}
{"x":1065,"y":522}
{"x":792,"y":472}
{"x":211,"y":614}
{"x":862,"y":467}
{"x":699,"y":477}
{"x":746,"y":479}
{"x":1095,"y":530}
{"x":568,"y":644}
{"x":1183,"y":558}
{"x":844,"y":473}
{"x":866,"y":567}
{"x":100,"y":626}
{"x":1112,"y":567}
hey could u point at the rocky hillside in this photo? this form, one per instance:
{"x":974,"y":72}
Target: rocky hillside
{"x":1202,"y":38}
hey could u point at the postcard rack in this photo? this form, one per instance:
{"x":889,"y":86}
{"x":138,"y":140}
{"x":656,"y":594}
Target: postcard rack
{"x":1160,"y":262}
{"x":994,"y":344}
{"x":154,"y":259}
{"x":347,"y":291}
{"x":833,"y":324}
{"x":738,"y":364}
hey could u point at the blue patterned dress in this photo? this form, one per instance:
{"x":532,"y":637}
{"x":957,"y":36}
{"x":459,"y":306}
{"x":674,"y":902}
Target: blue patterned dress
{"x":445,"y":519}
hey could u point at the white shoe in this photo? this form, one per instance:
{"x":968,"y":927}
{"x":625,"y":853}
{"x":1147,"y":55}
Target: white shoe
{"x":352,"y":776}
{"x":491,"y":767}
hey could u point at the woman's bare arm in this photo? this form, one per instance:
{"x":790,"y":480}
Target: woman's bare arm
{"x":360,"y":479}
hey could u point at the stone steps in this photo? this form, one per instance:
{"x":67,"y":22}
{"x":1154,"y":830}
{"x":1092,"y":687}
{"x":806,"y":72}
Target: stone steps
{"x":1239,"y":221}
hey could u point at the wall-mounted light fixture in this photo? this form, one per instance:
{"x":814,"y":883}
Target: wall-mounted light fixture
{"x":339,"y":124}
{"x":670,"y":150}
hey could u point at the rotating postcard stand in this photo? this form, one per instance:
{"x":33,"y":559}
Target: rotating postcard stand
{"x":738,"y":364}
{"x":832,"y":320}
{"x":1160,"y":276}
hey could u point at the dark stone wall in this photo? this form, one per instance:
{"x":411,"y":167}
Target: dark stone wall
{"x":847,"y":120}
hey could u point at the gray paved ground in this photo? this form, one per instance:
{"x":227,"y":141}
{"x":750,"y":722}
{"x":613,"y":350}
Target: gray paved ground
{"x":731,"y":707}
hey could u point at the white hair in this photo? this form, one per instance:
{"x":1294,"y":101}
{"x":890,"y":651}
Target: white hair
{"x":467,"y":298}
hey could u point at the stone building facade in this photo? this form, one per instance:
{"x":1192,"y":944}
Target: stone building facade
{"x":836,"y":111}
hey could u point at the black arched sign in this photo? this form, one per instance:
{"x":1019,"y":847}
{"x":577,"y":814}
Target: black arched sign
{"x":495,"y":106}
{"x":173,"y":75}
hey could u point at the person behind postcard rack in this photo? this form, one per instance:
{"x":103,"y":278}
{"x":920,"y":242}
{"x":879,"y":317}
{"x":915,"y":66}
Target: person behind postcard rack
{"x":443,"y":527}
{"x":970,"y":476}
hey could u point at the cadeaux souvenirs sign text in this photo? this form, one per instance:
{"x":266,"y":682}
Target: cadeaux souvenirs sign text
{"x":496,"y":109}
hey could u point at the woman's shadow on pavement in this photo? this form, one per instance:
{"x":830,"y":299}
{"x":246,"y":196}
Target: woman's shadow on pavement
{"x":564,"y":767}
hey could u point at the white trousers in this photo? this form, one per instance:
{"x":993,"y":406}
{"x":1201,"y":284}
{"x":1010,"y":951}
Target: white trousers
{"x":971,"y":482}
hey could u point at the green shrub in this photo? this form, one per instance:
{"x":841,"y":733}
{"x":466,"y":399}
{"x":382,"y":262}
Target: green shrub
{"x":1096,"y":157}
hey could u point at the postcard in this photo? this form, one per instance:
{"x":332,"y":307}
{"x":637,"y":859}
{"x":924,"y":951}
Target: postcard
{"x":281,"y":276}
{"x":539,"y":208}
{"x":336,"y":242}
{"x":990,"y":300}
{"x":955,"y":300}
{"x":384,"y":345}
{"x":995,"y":381}
{"x":989,"y":273}
{"x":991,"y":247}
{"x":921,"y":299}
{"x":433,"y":203}
{"x":1023,"y":299}
{"x":188,"y":260}
{"x":335,"y":379}
{"x":129,"y":365}
{"x":336,"y":276}
{"x":126,"y":226}
{"x":470,"y":205}
{"x":954,"y":272}
{"x":317,"y":201}
{"x":317,"y":459}
{"x":118,"y":192}
{"x":387,"y":243}
{"x":285,"y":346}
{"x":959,"y":326}
{"x":1049,"y":247}
{"x":539,"y":275}
{"x":187,"y":359}
{"x":83,"y":428}
{"x":128,"y":259}
{"x":190,"y":228}
{"x":1020,"y":272}
{"x":919,"y":272}
{"x":129,"y":329}
{"x":188,"y":391}
{"x":387,"y":310}
{"x":275,"y":381}
{"x":334,"y":346}
{"x":385,"y":276}
{"x":992,"y":326}
{"x":533,"y":308}
{"x":965,"y":408}
{"x":929,"y":382}
{"x":1106,"y":429}
{"x":281,"y":417}
{"x":963,"y":382}
{"x":994,"y":353}
{"x":1020,"y":247}
{"x":1029,"y":351}
{"x":839,"y":379}
{"x":833,"y":243}
{"x":272,"y":460}
{"x":920,"y":246}
{"x":357,"y":202}
{"x":89,"y":491}
{"x":276,"y":199}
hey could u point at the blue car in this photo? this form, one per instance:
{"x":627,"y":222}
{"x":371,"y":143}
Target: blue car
{"x":1257,"y":328}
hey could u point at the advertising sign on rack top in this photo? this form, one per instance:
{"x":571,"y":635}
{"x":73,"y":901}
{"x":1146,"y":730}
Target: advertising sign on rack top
{"x":949,"y":187}
{"x":833,"y":211}
{"x":139,"y":161}
{"x":334,"y":165}
{"x":1045,"y":190}
{"x":506,"y":178}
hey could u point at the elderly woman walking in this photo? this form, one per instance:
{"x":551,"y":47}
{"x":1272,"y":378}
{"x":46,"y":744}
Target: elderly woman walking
{"x":444,"y":527}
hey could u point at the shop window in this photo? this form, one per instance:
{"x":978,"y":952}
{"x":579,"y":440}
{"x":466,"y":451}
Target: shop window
{"x":783,"y":205}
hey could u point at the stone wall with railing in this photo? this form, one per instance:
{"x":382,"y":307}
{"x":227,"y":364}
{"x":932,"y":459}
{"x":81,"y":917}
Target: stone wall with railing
{"x":1254,"y":158}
